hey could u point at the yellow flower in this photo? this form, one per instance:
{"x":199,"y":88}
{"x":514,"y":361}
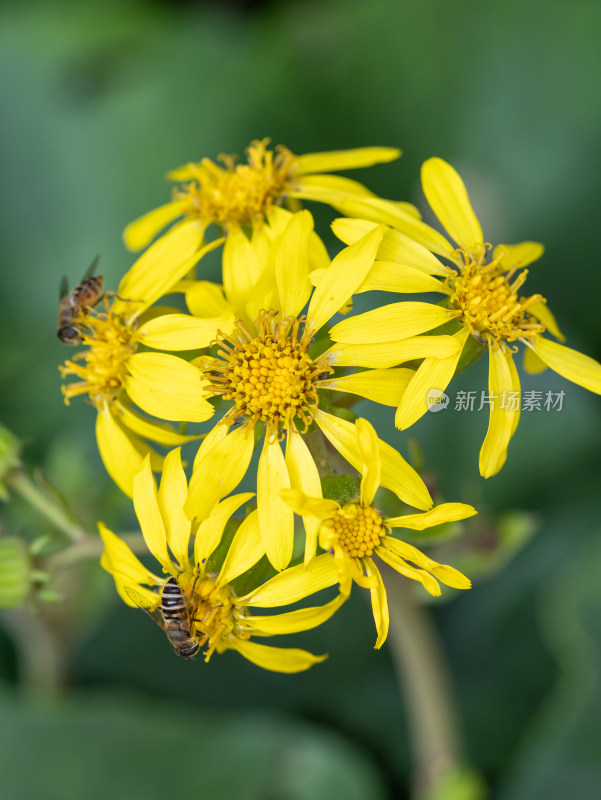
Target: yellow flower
{"x":269,"y":376}
{"x":215,"y":617}
{"x":481,"y":293}
{"x":117,"y":378}
{"x":355,"y":532}
{"x":235,"y":195}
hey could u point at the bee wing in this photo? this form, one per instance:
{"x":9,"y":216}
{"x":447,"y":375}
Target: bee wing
{"x":142,"y":603}
{"x":90,"y":270}
{"x":63,"y":289}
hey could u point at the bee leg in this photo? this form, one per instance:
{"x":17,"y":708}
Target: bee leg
{"x":197,"y":619}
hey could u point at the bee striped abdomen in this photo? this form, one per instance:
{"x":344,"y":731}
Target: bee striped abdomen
{"x":175,"y":611}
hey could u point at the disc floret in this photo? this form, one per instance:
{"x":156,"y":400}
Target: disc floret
{"x":356,"y":529}
{"x":102,"y":369}
{"x":270,"y":377}
{"x":238,"y":193}
{"x":216,"y":618}
{"x":487,"y":297}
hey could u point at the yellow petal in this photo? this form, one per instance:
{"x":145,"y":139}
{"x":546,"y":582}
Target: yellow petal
{"x":186,"y":172}
{"x":303,"y":619}
{"x":501,"y":420}
{"x":244,"y":552}
{"x":396,"y":473}
{"x":304,"y":475}
{"x":516,"y":399}
{"x":206,"y":299}
{"x":172,"y":495}
{"x":394,"y":247}
{"x":167,"y":387}
{"x":448,"y":198}
{"x":306,"y":506}
{"x":276,"y":519}
{"x":369,"y":449}
{"x":385,"y":386}
{"x":291,"y":254}
{"x":211,"y":529}
{"x":518,"y":255}
{"x":445,"y":512}
{"x":183,"y":332}
{"x":376,"y":210}
{"x":568,"y":363}
{"x":294,"y":584}
{"x":532,"y":363}
{"x":388,"y":276}
{"x":390,"y":323}
{"x":337,"y":160}
{"x":432,"y":375}
{"x":318,"y":254}
{"x":217,"y":433}
{"x":224,"y":461}
{"x":278,"y":219}
{"x":276,"y":659}
{"x":329,"y":188}
{"x":387,"y":354}
{"x":243,"y":262}
{"x":397,"y":563}
{"x":407,"y":208}
{"x":445,"y":574}
{"x":122,"y":454}
{"x":162,"y":433}
{"x":149,"y":516}
{"x":140,"y":232}
{"x":543,"y":313}
{"x":119,"y":560}
{"x":159,"y":268}
{"x":379,"y":603}
{"x":340,"y":281}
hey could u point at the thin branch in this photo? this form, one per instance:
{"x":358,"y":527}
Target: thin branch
{"x":46,"y":504}
{"x":426,"y":685}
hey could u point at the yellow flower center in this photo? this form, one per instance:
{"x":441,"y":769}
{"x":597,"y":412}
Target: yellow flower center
{"x":487,"y":297}
{"x":102,"y":367}
{"x":357,"y":529}
{"x":269,"y":377}
{"x":238,"y":193}
{"x":216,"y":618}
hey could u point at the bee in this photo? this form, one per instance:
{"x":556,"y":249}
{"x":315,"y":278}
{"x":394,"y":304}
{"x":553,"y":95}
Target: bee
{"x":81,"y":299}
{"x":176,"y":619}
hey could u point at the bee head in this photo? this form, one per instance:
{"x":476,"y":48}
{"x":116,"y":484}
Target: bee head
{"x":69,"y":335}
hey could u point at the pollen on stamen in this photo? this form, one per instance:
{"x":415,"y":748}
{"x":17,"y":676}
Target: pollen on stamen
{"x":268,"y":376}
{"x":488,"y":300}
{"x":216,"y":618}
{"x":101,"y":367}
{"x":238,"y":193}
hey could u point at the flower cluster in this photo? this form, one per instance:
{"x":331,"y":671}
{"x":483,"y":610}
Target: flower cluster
{"x":261,"y":361}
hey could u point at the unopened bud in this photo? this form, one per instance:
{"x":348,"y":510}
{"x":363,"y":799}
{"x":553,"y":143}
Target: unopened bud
{"x":10,"y":449}
{"x":15,"y":572}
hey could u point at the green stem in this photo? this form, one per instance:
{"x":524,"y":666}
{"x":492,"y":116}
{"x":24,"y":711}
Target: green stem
{"x":91,"y":547}
{"x":426,"y":684}
{"x":41,"y":655}
{"x":318,"y":447}
{"x":46,"y":504}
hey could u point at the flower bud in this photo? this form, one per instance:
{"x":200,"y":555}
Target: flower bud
{"x":10,"y":449}
{"x":15,"y":572}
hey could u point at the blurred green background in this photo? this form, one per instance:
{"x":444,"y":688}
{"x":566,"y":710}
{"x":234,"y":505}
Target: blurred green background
{"x":98,"y":100}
